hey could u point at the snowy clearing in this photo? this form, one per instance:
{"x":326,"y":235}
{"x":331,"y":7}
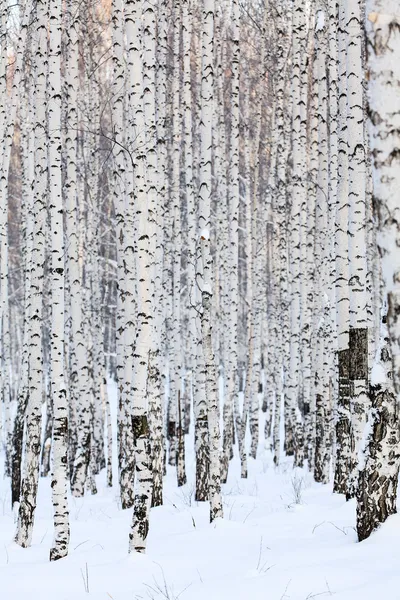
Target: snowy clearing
{"x":283,"y":538}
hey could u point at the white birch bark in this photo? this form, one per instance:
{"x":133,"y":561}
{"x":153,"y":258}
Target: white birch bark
{"x":80,"y":394}
{"x":121,"y":158}
{"x":109,"y":425}
{"x":201,"y":424}
{"x":258,"y":250}
{"x":176,"y":354}
{"x":312,"y":273}
{"x":161,"y":96}
{"x":126,"y":327}
{"x":332,"y":82}
{"x":233,"y":289}
{"x":201,"y":434}
{"x":383,"y":20}
{"x":27,"y":124}
{"x":283,"y":17}
{"x":241,"y":417}
{"x":322,"y":256}
{"x":26,"y":118}
{"x":118,"y":108}
{"x":8,"y":118}
{"x":270,"y":340}
{"x":359,"y":300}
{"x":298,"y":208}
{"x":164,"y":145}
{"x":187,"y":26}
{"x":191,"y":296}
{"x":379,"y":468}
{"x":37,"y":216}
{"x":3,"y":67}
{"x":154,"y":187}
{"x":4,"y":403}
{"x":144,"y":202}
{"x":306,"y":252}
{"x":206,"y":137}
{"x":377,"y":485}
{"x":58,"y":387}
{"x":343,"y":419}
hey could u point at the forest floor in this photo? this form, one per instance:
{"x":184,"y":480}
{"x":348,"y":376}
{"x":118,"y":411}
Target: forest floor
{"x":283,"y":537}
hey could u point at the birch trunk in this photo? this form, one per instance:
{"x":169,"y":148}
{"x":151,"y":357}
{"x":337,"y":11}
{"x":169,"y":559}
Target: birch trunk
{"x":154,"y":186}
{"x":359,"y":300}
{"x":322,"y":251}
{"x":343,"y":422}
{"x":377,"y":485}
{"x":58,"y":388}
{"x":8,"y":114}
{"x":81,"y":392}
{"x":130,"y":106}
{"x":176,"y":355}
{"x":379,"y":470}
{"x":307,"y":223}
{"x":35,"y":389}
{"x":312,"y":273}
{"x":299,"y":191}
{"x":258,"y":251}
{"x":201,"y":426}
{"x":279,"y":205}
{"x":383,"y":59}
{"x":206,"y":137}
{"x":144,"y":197}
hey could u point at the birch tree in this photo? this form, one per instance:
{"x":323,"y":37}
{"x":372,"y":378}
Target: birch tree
{"x":358,"y":332}
{"x":377,"y":486}
{"x":35,"y":317}
{"x":280,"y":138}
{"x":139,"y":414}
{"x":206,"y":133}
{"x":322,"y":244}
{"x":299,"y":189}
{"x":343,"y":423}
{"x":58,"y":387}
{"x":233,"y":183}
{"x":155,"y":218}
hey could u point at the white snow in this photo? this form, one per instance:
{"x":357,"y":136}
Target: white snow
{"x":378,"y":375}
{"x":320,"y":20}
{"x":206,"y":288}
{"x":274,"y":543}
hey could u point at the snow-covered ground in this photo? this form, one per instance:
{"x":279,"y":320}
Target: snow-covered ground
{"x":276,"y":542}
{"x":283,"y":537}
